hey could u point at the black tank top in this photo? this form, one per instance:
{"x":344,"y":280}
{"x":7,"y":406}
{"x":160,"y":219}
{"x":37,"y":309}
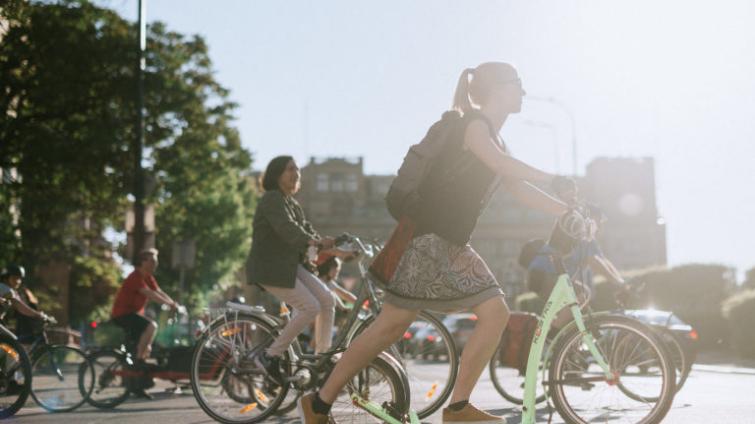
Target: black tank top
{"x":457,"y":189}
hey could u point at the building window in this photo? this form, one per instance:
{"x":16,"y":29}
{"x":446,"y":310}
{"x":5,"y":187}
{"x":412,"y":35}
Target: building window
{"x":336,"y":183}
{"x":322,"y":182}
{"x":352,"y":183}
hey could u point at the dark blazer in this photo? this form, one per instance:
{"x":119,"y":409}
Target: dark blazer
{"x":280,"y":234}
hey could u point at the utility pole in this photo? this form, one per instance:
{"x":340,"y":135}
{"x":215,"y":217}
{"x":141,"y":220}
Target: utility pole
{"x":138,"y":142}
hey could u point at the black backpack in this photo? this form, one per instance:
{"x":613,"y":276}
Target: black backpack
{"x":403,"y":196}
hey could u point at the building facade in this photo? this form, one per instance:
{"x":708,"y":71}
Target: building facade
{"x":338,"y":197}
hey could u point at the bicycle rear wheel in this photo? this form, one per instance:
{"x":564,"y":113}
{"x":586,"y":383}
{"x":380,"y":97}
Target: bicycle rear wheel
{"x":642,"y":389}
{"x":430,"y":359}
{"x":15,"y":376}
{"x":62,"y":378}
{"x":227,"y":386}
{"x":382,"y":382}
{"x":509,"y":382}
{"x":676,"y":352}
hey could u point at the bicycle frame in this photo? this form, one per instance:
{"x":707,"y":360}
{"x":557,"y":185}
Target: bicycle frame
{"x":378,"y":411}
{"x":563,"y":295}
{"x":367,"y":293}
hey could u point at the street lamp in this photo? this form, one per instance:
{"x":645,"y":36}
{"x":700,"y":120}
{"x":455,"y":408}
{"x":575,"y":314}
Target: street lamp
{"x":554,"y":138}
{"x":138,"y":142}
{"x":570,"y":114}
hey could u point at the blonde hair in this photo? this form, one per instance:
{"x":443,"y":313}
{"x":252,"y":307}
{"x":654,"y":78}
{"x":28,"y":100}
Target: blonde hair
{"x":470,"y":94}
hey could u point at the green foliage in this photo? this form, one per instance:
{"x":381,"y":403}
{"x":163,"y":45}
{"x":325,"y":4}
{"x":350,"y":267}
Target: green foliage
{"x":94,"y":280}
{"x":529,"y":302}
{"x":67,"y":121}
{"x":739,"y":311}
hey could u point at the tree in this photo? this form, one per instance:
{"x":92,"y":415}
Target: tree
{"x":749,"y":282}
{"x":68,"y":69}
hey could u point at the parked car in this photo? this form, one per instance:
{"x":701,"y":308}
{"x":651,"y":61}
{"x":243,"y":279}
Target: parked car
{"x":681,"y":338}
{"x":428,"y":344}
{"x":460,"y":326}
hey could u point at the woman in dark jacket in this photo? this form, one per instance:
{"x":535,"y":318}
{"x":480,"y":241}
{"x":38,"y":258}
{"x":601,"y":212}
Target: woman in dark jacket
{"x":280,"y":238}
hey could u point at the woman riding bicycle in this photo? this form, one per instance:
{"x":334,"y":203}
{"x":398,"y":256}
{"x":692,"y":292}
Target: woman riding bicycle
{"x":280,"y":238}
{"x":439,"y":270}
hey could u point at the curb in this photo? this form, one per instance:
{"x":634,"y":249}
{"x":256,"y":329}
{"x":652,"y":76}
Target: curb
{"x":723,"y":369}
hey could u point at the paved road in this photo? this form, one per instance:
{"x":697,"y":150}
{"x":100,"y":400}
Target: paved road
{"x":711,"y":395}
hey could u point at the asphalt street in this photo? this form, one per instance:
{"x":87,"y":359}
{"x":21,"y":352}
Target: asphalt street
{"x":712,"y":394}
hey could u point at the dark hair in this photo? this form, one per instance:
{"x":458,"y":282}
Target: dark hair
{"x":324,"y":268}
{"x":273,"y":172}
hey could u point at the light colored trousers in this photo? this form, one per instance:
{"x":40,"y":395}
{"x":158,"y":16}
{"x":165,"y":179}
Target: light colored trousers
{"x":310,"y":298}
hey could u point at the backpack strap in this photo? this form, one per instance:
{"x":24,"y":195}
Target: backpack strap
{"x":475,"y":114}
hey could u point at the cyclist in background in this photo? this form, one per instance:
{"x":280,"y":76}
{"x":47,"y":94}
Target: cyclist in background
{"x":128,"y":309}
{"x":585,"y":259}
{"x":328,"y":269}
{"x":281,"y":239}
{"x":22,"y":301}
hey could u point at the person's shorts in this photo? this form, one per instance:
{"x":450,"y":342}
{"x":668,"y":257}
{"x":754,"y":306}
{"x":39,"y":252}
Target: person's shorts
{"x":133,"y":324}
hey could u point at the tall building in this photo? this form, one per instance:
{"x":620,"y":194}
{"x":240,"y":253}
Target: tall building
{"x":338,"y":197}
{"x":635,"y":234}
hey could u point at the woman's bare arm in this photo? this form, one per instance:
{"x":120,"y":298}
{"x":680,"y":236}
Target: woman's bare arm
{"x":531,"y":196}
{"x":477,"y":140}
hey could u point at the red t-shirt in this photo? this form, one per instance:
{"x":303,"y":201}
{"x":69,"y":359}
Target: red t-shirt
{"x":128,"y":300}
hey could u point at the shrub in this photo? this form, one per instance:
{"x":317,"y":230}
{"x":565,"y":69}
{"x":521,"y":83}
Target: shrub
{"x":604,"y":295}
{"x":694,"y":292}
{"x":739,"y":311}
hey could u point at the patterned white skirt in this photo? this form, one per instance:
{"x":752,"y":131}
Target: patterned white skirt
{"x":438,"y":275}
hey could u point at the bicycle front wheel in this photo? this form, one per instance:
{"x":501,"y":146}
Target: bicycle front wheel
{"x":641,"y":389}
{"x":110,"y":379}
{"x":15,"y":377}
{"x":383,"y":382}
{"x":62,"y":378}
{"x":226,"y":384}
{"x":427,"y":352}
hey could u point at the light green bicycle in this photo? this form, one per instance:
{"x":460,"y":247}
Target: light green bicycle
{"x":600,"y":367}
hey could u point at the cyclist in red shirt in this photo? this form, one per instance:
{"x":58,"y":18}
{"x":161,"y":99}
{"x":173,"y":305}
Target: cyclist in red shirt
{"x":128,"y":309}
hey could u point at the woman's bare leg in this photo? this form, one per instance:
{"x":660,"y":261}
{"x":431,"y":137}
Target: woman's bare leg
{"x":492,"y":317}
{"x":388,"y":328}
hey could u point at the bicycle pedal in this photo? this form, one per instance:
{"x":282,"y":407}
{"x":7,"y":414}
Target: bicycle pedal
{"x":391,"y":409}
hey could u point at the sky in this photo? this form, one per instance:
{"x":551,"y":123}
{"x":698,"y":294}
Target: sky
{"x":670,"y":79}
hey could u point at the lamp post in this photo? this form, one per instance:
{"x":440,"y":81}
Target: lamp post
{"x":554,"y":137}
{"x":138,"y":142}
{"x":570,"y":114}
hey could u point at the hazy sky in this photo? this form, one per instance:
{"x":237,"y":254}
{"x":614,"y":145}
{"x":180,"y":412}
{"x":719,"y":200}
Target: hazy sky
{"x":670,"y":79}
